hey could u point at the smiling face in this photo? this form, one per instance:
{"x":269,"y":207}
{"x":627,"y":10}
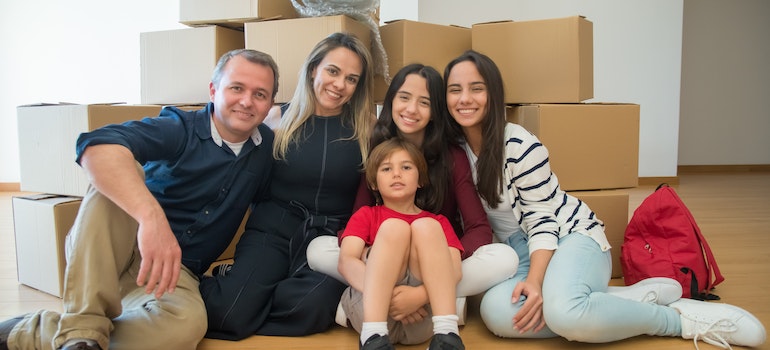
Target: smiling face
{"x":466,"y":95}
{"x":411,"y":108}
{"x":398,"y":177}
{"x":335,"y":80}
{"x":242,"y":98}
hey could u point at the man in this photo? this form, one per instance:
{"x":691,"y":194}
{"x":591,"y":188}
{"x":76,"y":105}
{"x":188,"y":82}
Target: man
{"x":143,"y":236}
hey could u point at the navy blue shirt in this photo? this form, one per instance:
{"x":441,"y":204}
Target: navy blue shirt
{"x":203,"y":188}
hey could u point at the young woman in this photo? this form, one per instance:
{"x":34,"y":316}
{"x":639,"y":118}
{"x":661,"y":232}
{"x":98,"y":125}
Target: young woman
{"x":320,"y":146}
{"x":398,"y":243}
{"x":414,"y":109}
{"x":564,"y":256}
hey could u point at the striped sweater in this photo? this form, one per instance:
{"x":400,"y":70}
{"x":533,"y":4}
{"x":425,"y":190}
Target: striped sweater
{"x":543,"y":210}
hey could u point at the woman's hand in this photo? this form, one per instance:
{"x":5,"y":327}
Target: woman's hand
{"x":530,"y":316}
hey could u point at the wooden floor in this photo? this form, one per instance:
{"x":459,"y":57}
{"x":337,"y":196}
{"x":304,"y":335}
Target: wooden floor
{"x":732,"y":210}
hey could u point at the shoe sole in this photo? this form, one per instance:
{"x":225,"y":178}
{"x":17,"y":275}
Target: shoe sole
{"x":340,"y":317}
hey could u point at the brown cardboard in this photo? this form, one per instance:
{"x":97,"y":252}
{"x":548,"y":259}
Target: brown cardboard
{"x":611,"y":207}
{"x":229,"y":252}
{"x":176,"y":65}
{"x":409,"y":42}
{"x":233,"y":13}
{"x":290,"y":41}
{"x":591,"y":146}
{"x":41,"y":224}
{"x":47,"y":136}
{"x":542,"y":61}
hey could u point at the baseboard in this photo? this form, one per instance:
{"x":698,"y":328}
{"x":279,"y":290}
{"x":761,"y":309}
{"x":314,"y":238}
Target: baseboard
{"x":695,"y":169}
{"x":657,"y":180}
{"x":740,"y":168}
{"x":10,"y":187}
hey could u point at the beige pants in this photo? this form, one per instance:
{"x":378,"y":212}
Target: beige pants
{"x":353,"y":303}
{"x":101,"y":299}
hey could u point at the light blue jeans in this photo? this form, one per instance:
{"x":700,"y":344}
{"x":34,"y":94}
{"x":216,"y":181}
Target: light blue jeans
{"x":575,"y":303}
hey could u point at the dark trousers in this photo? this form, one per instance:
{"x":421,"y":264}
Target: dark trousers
{"x":270,"y":290}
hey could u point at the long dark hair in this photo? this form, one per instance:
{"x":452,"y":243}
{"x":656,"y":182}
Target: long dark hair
{"x":434,"y":145}
{"x":490,"y":164}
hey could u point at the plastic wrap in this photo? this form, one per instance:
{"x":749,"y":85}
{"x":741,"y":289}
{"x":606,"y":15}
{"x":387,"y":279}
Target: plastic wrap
{"x":360,"y":10}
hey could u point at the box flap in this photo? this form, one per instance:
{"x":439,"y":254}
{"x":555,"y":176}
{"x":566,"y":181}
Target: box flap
{"x":54,"y":199}
{"x":493,"y":22}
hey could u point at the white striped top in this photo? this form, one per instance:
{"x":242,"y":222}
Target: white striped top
{"x":542,"y":209}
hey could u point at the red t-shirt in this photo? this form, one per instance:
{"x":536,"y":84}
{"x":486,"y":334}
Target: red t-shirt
{"x":366,"y":221}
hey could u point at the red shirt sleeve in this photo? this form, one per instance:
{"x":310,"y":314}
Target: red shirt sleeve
{"x":476,"y":229}
{"x":449,"y":232}
{"x":359,"y":225}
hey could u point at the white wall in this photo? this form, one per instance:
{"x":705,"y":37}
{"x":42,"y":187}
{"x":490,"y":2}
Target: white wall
{"x":82,"y":51}
{"x":637,"y":57}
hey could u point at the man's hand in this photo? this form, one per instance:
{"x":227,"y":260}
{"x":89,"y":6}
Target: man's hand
{"x":161,"y":257}
{"x":113,"y":170}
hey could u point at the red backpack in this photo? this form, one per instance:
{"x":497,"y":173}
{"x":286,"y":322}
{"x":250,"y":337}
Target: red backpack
{"x":663,"y":240}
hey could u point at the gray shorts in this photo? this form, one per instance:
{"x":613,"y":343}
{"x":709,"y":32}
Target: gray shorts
{"x":413,"y":333}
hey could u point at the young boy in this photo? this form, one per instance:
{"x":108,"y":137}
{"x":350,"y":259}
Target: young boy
{"x":389,"y":247}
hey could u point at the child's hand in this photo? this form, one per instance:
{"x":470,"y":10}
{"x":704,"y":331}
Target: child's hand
{"x":415,"y":317}
{"x":407,"y":304}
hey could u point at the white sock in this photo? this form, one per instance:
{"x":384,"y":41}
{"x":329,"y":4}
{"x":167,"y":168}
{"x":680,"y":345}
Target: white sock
{"x":369,"y":329}
{"x":445,"y":324}
{"x":78,"y":340}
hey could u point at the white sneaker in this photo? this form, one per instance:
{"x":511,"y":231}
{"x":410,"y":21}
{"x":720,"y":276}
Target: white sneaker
{"x":461,"y":308}
{"x":719,"y":324}
{"x":341,"y":318}
{"x":656,"y":290}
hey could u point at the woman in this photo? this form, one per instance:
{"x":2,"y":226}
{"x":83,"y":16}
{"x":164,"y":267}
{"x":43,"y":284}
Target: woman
{"x":567,"y":287}
{"x":320,"y":146}
{"x":414,"y":109}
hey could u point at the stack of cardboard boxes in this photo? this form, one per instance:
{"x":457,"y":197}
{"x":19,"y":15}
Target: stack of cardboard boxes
{"x":547,"y":67}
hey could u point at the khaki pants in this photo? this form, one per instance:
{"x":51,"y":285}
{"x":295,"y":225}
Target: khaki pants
{"x":101,"y":299}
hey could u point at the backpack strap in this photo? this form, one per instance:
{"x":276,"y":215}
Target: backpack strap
{"x":711,"y":263}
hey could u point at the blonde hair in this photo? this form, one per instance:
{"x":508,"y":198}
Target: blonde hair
{"x":358,"y":112}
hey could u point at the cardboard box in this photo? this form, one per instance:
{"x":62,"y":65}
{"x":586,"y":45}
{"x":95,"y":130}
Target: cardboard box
{"x":233,"y":13}
{"x":409,"y":42}
{"x":290,"y":42}
{"x":611,"y":207}
{"x":47,"y":136}
{"x":544,"y":61}
{"x":41,"y":224}
{"x":592,"y":146}
{"x":176,"y":65}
